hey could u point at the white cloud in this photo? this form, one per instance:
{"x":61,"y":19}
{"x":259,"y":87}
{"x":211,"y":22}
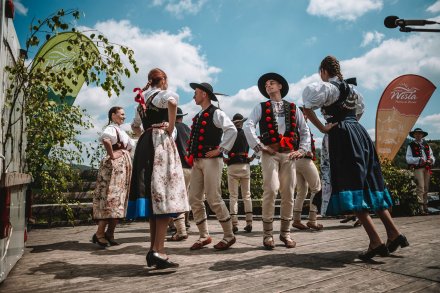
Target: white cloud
{"x":311,"y":41}
{"x":372,"y":133}
{"x":413,"y":54}
{"x":181,"y":7}
{"x":372,"y":37}
{"x":181,"y":60}
{"x":20,"y":8}
{"x":431,"y":124}
{"x":342,"y":9}
{"x":434,"y":8}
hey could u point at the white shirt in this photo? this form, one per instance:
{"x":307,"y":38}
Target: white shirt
{"x":321,"y":94}
{"x":110,"y":132}
{"x":250,"y":126}
{"x":222,"y":121}
{"x":416,"y":160}
{"x":160,"y":101}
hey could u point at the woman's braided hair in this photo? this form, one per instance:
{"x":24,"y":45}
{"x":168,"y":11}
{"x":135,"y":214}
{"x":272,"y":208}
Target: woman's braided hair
{"x":331,"y":65}
{"x":154,"y":77}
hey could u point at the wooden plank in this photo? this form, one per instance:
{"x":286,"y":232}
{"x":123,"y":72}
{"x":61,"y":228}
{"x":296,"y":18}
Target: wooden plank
{"x":63,"y":259}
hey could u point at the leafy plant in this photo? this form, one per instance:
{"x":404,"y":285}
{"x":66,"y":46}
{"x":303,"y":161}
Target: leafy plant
{"x":401,"y":184}
{"x":52,"y":127}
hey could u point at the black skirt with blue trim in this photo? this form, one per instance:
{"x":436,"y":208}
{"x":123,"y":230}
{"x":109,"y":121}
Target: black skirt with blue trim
{"x":356,"y":175}
{"x":139,"y":201}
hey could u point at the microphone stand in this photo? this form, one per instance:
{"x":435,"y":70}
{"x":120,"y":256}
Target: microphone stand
{"x":406,"y":29}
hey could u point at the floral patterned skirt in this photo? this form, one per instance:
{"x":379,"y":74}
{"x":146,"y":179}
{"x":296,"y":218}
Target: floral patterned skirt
{"x":112,"y":187}
{"x":158,"y":184}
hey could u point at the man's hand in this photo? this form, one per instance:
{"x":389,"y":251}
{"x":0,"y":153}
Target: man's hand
{"x":268,"y":150}
{"x":296,"y":154}
{"x":213,"y":153}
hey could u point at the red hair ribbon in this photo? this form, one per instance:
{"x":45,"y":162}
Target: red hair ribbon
{"x":286,"y":142}
{"x":139,"y":97}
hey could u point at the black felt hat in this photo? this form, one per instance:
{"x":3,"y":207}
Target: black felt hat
{"x":207,"y":88}
{"x":238,"y":118}
{"x":180,"y":112}
{"x":275,"y":76}
{"x":418,"y":130}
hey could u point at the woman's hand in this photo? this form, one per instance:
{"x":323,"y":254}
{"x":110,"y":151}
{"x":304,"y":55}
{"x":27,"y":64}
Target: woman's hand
{"x":170,"y":129}
{"x":326,"y":128}
{"x":116,"y":155}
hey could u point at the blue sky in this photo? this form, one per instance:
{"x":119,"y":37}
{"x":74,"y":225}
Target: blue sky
{"x":231,"y":43}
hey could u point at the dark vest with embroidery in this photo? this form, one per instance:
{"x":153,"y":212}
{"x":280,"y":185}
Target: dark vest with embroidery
{"x":152,"y":114}
{"x":417,"y":150}
{"x":204,"y":136}
{"x":269,"y":127}
{"x":239,"y":152}
{"x":182,"y":142}
{"x":344,"y":106}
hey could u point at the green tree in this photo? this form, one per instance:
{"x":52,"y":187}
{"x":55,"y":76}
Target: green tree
{"x":54,"y":126}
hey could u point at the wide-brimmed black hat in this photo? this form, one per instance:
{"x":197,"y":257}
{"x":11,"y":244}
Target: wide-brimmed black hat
{"x":238,"y":118}
{"x":418,"y":130}
{"x":180,"y":112}
{"x":275,"y":76}
{"x":207,"y":88}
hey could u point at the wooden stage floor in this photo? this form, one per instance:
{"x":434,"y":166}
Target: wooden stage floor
{"x":64,"y":260}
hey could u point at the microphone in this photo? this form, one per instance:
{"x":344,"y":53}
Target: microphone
{"x":393,"y":21}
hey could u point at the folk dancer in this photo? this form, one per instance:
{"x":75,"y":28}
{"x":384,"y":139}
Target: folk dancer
{"x":307,"y":176}
{"x":279,"y":122}
{"x":420,"y":159}
{"x":239,"y":175}
{"x":158,"y":186}
{"x":113,"y":182}
{"x":356,"y":180}
{"x":206,"y":147}
{"x":181,"y":222}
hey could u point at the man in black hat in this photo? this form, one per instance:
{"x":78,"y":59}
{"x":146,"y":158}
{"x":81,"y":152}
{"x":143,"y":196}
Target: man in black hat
{"x":420,"y":158}
{"x":280,"y":122}
{"x":182,"y":138}
{"x":239,"y":174}
{"x":212,"y":134}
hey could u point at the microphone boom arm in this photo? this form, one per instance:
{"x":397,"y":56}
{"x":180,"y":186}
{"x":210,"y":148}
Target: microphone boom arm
{"x":406,"y":29}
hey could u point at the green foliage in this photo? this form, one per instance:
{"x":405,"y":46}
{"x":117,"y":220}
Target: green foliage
{"x":256,"y":182}
{"x":52,"y":126}
{"x":403,"y":189}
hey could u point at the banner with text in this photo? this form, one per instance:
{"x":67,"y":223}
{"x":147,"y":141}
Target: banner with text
{"x":399,"y":108}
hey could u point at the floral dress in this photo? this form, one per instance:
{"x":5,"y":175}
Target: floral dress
{"x":113,"y":181}
{"x":158,"y":185}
